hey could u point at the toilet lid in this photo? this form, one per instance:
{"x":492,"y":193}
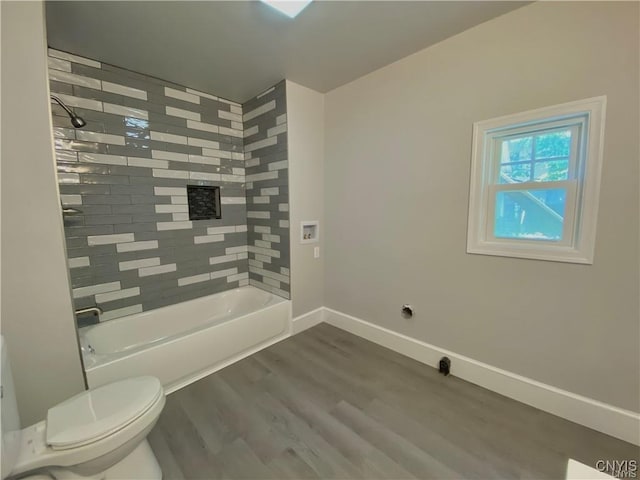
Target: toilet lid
{"x":97,"y":413}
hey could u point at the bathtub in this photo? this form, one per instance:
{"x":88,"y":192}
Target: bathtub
{"x":182,"y":343}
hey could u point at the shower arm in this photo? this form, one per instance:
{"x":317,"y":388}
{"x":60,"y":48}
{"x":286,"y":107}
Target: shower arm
{"x":66,"y":109}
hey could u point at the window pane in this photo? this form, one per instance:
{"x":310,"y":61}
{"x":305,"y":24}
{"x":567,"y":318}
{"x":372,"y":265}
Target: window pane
{"x":554,"y":144}
{"x":515,"y":173}
{"x":516,"y":150}
{"x":551,"y":171}
{"x":530,"y":214}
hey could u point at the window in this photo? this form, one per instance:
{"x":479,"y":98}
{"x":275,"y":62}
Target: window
{"x":535,"y":179}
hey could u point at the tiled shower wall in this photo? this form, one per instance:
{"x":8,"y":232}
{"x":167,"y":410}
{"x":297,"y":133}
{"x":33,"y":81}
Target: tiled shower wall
{"x":133,"y":248}
{"x":267,"y":169}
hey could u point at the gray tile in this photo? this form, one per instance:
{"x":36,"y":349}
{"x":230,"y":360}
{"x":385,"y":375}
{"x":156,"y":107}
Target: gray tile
{"x":106,"y":219}
{"x":104,"y":179}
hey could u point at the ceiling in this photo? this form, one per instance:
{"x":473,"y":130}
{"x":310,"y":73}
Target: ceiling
{"x":236,"y":49}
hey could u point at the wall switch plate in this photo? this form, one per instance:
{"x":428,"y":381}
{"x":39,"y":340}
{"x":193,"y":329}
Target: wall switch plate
{"x":316,"y":252}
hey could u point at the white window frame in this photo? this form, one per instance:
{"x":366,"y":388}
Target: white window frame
{"x":587,"y":117}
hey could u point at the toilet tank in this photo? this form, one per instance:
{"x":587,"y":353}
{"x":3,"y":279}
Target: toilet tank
{"x":10,"y":423}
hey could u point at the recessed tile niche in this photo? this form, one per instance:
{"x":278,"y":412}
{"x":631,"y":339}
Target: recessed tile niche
{"x":204,"y":202}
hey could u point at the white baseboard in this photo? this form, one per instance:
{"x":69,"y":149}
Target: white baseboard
{"x":614,"y":421}
{"x":307,"y":320}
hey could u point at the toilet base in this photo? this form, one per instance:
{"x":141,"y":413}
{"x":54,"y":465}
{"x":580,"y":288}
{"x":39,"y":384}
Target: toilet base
{"x":140,"y":464}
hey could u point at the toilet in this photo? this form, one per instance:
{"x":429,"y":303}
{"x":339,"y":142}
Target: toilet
{"x":98,"y":434}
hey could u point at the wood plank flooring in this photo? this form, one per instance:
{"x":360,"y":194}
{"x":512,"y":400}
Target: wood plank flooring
{"x":327,"y":404}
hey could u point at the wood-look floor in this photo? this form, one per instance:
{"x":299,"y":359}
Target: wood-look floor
{"x":327,"y":404}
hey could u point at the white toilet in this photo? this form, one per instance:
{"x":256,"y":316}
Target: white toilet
{"x":97,"y":434}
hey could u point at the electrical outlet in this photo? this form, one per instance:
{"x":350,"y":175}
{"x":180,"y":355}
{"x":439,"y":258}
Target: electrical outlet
{"x":316,"y":252}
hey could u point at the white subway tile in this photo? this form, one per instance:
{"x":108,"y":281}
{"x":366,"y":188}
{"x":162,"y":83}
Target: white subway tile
{"x":237,"y":156}
{"x":262,"y":109}
{"x":71,"y":199}
{"x":243,"y":256}
{"x":212,"y":177}
{"x":255,"y":263}
{"x":262,"y":244}
{"x":237,"y":125}
{"x":59,"y":64}
{"x":201,"y":94}
{"x":179,"y":200}
{"x":283,"y":207}
{"x":146,"y":162}
{"x":267,"y":142}
{"x":264,"y":251}
{"x":205,"y":127}
{"x":224,"y":100}
{"x":223,"y":259}
{"x":221,"y":230}
{"x":72,"y":78}
{"x":282,"y":128}
{"x":198,"y":142}
{"x":176,"y":157}
{"x":180,"y":191}
{"x":284,"y":223}
{"x":211,"y":152}
{"x":125,"y":111}
{"x":165,"y":173}
{"x":223,"y":273}
{"x":266,"y":92}
{"x":284,"y":271}
{"x":180,"y":217}
{"x":72,"y":101}
{"x":250,"y":131}
{"x":270,"y":274}
{"x":100,"y":137}
{"x":203,"y":277}
{"x":135,"y":264}
{"x":263,"y":215}
{"x":94,"y":289}
{"x":240,"y":249}
{"x":204,"y":160}
{"x":179,"y":112}
{"x":120,"y":312}
{"x":123,"y":90}
{"x":261,"y":229}
{"x":187,"y":97}
{"x":260,"y":200}
{"x":256,"y":177}
{"x":238,"y":171}
{"x":233,"y":200}
{"x":262,"y":258}
{"x":241,"y":228}
{"x":102,"y":158}
{"x":74,"y":58}
{"x":117,"y":295}
{"x":230,"y":131}
{"x":281,"y":165}
{"x":174,"y":225}
{"x":267,"y":237}
{"x":208,"y":239}
{"x":168,"y":137}
{"x":166,"y":208}
{"x":78,"y":262}
{"x":232,"y":178}
{"x":147,"y":271}
{"x":252,"y":162}
{"x":229,"y":116}
{"x":109,"y":239}
{"x":236,"y":109}
{"x":68,"y":178}
{"x":136,"y":246}
{"x":280,"y":119}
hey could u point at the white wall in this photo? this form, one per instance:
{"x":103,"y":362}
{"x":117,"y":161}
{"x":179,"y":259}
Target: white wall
{"x":305,"y":117}
{"x":397,"y":170}
{"x":37,"y":314}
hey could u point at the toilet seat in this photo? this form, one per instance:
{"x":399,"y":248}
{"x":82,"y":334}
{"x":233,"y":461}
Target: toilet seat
{"x":96,"y":414}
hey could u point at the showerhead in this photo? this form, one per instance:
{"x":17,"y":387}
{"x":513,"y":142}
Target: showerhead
{"x":76,"y":121}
